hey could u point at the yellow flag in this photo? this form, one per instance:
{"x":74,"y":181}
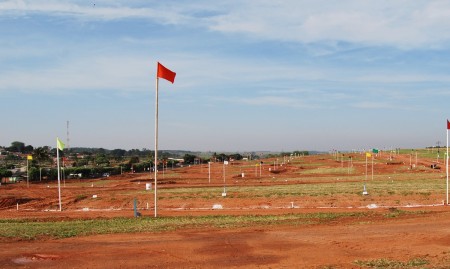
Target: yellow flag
{"x":29,"y":157}
{"x":368,"y":155}
{"x":59,"y":144}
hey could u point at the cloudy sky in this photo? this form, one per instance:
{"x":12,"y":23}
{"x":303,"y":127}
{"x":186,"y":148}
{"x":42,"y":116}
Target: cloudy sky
{"x":251,"y":75}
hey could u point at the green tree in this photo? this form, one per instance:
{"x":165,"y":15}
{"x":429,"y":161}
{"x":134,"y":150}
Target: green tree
{"x":17,"y":146}
{"x":118,"y":154}
{"x":81,"y":162}
{"x":101,"y":160}
{"x":133,"y":160}
{"x":222,"y":157}
{"x":41,"y":154}
{"x":5,"y":173}
{"x":189,"y":158}
{"x":28,"y":149}
{"x":236,"y":156}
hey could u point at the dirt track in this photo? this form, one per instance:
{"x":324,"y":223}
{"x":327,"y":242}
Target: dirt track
{"x":336,"y":245}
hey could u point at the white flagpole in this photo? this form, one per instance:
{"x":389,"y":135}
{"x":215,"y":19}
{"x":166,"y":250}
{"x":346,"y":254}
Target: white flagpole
{"x":372,"y":166}
{"x":59,"y":178}
{"x":156,"y":143}
{"x":447,"y":166}
{"x":28,"y":175}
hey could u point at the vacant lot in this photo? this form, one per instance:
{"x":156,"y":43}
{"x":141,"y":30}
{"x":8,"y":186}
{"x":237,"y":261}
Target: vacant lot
{"x":303,"y":212}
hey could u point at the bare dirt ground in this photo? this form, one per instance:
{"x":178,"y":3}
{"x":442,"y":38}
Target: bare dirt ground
{"x":335,"y":244}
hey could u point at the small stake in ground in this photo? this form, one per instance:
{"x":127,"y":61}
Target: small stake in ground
{"x":365,"y":191}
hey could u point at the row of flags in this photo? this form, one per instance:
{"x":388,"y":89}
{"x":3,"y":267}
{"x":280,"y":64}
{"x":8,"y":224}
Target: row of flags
{"x":369,"y":154}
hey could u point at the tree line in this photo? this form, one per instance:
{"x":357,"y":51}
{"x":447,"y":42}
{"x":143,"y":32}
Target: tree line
{"x":94,"y":162}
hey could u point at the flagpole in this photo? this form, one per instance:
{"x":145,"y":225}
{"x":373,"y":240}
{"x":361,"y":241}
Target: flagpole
{"x":28,"y":175}
{"x":372,"y":167}
{"x":447,"y":163}
{"x":156,"y":143}
{"x":59,"y":178}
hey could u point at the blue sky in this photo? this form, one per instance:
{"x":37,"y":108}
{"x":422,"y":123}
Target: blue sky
{"x":251,"y":75}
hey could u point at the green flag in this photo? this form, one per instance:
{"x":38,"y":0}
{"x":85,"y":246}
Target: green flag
{"x":59,"y":144}
{"x":374,"y":150}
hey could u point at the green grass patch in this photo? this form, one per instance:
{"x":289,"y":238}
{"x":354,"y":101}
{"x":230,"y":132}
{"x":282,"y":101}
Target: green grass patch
{"x":35,"y":229}
{"x":392,"y":264}
{"x":381,"y":186}
{"x":394,"y":212}
{"x":323,"y":170}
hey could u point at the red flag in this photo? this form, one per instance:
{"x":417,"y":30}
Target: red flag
{"x":448,"y":125}
{"x":165,"y":73}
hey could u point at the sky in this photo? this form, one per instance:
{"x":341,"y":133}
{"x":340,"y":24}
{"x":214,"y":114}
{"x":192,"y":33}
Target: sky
{"x":251,"y":75}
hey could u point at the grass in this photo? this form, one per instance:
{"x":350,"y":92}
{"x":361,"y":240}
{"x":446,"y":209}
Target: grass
{"x":35,"y":229}
{"x":394,"y":213}
{"x":322,"y":170}
{"x":381,"y":186}
{"x":392,"y":264}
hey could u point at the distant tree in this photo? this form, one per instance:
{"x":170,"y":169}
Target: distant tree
{"x":134,"y":152}
{"x":300,"y":153}
{"x":222,"y":157}
{"x":133,"y":160}
{"x":17,"y":146}
{"x":5,"y":173}
{"x":101,"y":160}
{"x":81,"y":162}
{"x":189,"y":158}
{"x":41,"y":154}
{"x":28,"y":149}
{"x":118,"y":154}
{"x":12,"y":157}
{"x":236,"y":156}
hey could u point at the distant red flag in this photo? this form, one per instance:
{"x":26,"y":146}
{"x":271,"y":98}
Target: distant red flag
{"x":448,"y":125}
{"x":165,"y":73}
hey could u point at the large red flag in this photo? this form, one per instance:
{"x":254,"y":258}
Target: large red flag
{"x":448,"y":125}
{"x":165,"y":73}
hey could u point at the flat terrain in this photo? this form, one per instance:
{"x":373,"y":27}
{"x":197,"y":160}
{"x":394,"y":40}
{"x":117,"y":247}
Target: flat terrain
{"x":302,"y":212}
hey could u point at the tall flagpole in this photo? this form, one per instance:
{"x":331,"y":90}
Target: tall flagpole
{"x":447,"y":161}
{"x":59,"y":178}
{"x":156,"y":143}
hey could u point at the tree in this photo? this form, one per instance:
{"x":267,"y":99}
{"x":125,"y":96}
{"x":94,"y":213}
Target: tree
{"x":5,"y":173}
{"x":17,"y":146}
{"x":101,"y":160}
{"x":236,"y":156}
{"x":41,"y":154}
{"x":118,"y":154}
{"x":188,"y":158}
{"x":28,"y":149}
{"x":81,"y":162}
{"x":134,"y":160}
{"x":222,"y":157}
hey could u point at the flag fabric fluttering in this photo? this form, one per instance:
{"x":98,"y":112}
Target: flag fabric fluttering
{"x":165,"y":73}
{"x":30,"y":157}
{"x":448,"y":125}
{"x":368,"y":155}
{"x":60,"y":145}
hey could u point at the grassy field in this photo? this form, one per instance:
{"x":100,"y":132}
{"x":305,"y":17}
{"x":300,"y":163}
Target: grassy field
{"x":34,"y":229}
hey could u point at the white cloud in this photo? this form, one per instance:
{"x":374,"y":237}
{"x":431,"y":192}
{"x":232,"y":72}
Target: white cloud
{"x":402,"y":23}
{"x":89,"y":10}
